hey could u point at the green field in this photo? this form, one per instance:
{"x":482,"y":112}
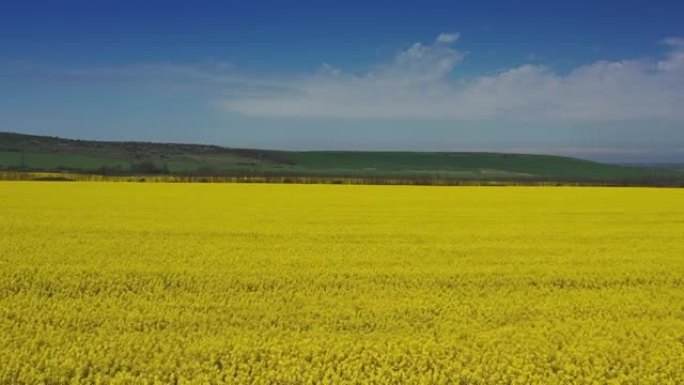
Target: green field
{"x":47,"y":154}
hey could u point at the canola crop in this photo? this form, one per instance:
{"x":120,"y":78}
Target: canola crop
{"x":125,"y":283}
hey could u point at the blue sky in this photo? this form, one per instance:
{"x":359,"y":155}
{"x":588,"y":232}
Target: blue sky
{"x":600,"y":80}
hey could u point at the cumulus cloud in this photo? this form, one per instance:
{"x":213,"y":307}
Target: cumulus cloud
{"x":420,"y":83}
{"x":675,"y":59}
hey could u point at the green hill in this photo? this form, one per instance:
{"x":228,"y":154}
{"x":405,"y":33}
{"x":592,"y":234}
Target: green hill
{"x":19,"y":152}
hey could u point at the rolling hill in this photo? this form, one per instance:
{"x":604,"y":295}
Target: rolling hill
{"x":20,"y":152}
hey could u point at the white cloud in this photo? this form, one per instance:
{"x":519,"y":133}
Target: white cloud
{"x":208,"y":69}
{"x":448,"y":38}
{"x":419,"y":83}
{"x":675,"y":59}
{"x":208,"y":77}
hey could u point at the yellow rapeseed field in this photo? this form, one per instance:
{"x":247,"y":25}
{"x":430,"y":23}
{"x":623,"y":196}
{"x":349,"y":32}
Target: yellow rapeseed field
{"x":125,"y":283}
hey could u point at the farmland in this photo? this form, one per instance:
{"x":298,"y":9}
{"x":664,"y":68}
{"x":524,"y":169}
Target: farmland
{"x":79,"y":159}
{"x":131,"y":283}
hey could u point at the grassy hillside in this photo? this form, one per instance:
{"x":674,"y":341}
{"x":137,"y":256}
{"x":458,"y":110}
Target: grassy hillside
{"x":20,"y":152}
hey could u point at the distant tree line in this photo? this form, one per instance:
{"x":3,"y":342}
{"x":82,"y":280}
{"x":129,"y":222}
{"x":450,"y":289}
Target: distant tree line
{"x":274,"y":177}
